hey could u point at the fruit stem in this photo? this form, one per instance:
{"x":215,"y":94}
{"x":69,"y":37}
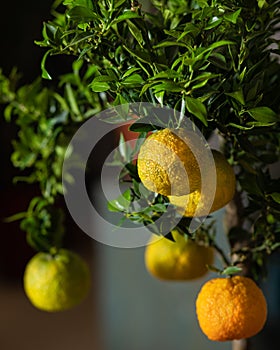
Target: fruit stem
{"x":221,"y":253}
{"x":53,"y":251}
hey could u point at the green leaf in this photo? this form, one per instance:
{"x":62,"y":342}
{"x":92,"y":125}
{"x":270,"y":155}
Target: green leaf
{"x":167,"y":74}
{"x":118,"y":3}
{"x":169,"y":43}
{"x":100,"y":87}
{"x":232,"y":17}
{"x":201,"y":80}
{"x":132,"y":169}
{"x":161,"y":208}
{"x":81,"y":14}
{"x":231,"y":270}
{"x":213,"y":23}
{"x":141,"y":127}
{"x":35,"y":240}
{"x":202,"y":3}
{"x":103,"y":78}
{"x":133,"y":80}
{"x":100,"y":83}
{"x":8,"y":112}
{"x":130,"y":71}
{"x":142,"y":56}
{"x":123,"y":148}
{"x":167,"y":86}
{"x":49,"y":32}
{"x":251,"y":185}
{"x":45,"y":73}
{"x":136,"y":32}
{"x":275,"y":246}
{"x":120,"y":100}
{"x":72,"y":100}
{"x":85,"y":3}
{"x":263,"y":114}
{"x":122,"y":203}
{"x":126,"y":16}
{"x":262,"y":4}
{"x":238,"y":96}
{"x":214,"y":46}
{"x":275,"y":196}
{"x":197,"y":108}
{"x":219,"y":60}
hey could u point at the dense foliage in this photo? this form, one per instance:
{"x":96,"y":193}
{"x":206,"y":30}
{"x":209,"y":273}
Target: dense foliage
{"x":216,"y":62}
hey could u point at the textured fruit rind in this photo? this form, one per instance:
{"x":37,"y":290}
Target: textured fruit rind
{"x":231,"y":308}
{"x":168,"y":162}
{"x":56,"y":282}
{"x":201,"y":204}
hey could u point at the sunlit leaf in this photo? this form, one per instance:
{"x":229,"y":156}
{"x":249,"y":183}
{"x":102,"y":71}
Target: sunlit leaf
{"x":197,"y":108}
{"x":82,"y":14}
{"x":231,"y":270}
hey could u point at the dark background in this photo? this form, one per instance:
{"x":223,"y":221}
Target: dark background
{"x":20,"y":25}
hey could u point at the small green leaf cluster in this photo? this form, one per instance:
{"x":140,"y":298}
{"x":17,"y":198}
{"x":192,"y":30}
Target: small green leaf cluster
{"x":46,"y":119}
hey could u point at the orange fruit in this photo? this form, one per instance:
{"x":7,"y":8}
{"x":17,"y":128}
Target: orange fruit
{"x":168,"y":162}
{"x":183,"y":259}
{"x":200,"y":203}
{"x":231,"y":308}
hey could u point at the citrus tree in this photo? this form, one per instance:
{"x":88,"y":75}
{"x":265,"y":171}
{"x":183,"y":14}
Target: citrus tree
{"x":214,"y":62}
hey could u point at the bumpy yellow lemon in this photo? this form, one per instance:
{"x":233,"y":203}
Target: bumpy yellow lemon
{"x":183,"y":259}
{"x":201,"y":203}
{"x":168,"y":162}
{"x":56,"y":282}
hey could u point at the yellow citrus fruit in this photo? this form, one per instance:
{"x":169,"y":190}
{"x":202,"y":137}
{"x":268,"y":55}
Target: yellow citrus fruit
{"x":183,"y":259}
{"x":231,"y":308}
{"x":56,"y":282}
{"x":200,"y":203}
{"x":168,"y":162}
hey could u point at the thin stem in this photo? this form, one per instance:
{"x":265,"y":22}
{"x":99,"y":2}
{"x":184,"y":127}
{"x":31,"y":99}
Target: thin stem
{"x":221,"y":253}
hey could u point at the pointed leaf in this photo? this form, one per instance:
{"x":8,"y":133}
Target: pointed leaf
{"x":125,"y":16}
{"x":232,"y":17}
{"x":81,"y":14}
{"x":99,"y":86}
{"x":231,"y":270}
{"x":136,"y":32}
{"x":197,"y":108}
{"x":130,"y":71}
{"x":275,"y":196}
{"x":45,"y":73}
{"x":133,"y":80}
{"x":264,"y":115}
{"x":238,"y":96}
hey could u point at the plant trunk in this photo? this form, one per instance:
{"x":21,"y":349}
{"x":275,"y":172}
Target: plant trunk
{"x":233,"y":219}
{"x":242,"y":344}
